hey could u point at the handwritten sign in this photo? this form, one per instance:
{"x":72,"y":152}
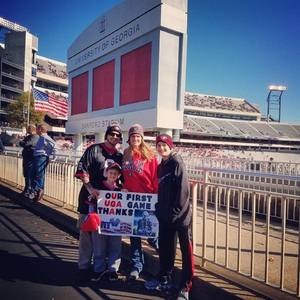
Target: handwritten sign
{"x":127,"y":214}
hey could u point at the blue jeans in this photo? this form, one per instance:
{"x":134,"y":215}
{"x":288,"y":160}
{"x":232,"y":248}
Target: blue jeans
{"x":40,"y":164}
{"x":107,"y":252}
{"x":136,"y":252}
{"x":28,"y":173}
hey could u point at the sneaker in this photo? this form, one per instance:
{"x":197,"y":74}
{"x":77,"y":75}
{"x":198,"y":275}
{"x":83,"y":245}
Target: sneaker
{"x":39,"y":195}
{"x":152,"y":284}
{"x":32,"y":195}
{"x":162,"y":285}
{"x":113,"y":276}
{"x":98,"y":276}
{"x":134,"y":275}
{"x":183,"y":294}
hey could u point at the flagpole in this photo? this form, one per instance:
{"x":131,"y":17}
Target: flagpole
{"x":28,"y":105}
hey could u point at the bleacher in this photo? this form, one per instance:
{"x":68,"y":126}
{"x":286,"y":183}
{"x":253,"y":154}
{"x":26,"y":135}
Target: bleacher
{"x":231,"y":117}
{"x":51,"y":67}
{"x":190,"y":153}
{"x":240,"y":129}
{"x":266,"y":130}
{"x":285,"y":131}
{"x":247,"y":130}
{"x":226,"y":127}
{"x":218,"y":103}
{"x":297,"y":127}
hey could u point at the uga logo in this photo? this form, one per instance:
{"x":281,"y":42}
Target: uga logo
{"x":101,"y":24}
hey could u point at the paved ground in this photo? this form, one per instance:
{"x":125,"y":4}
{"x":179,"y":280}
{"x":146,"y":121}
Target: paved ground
{"x":38,"y":261}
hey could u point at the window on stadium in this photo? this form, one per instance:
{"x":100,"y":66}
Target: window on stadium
{"x":103,"y":86}
{"x":79,"y":98}
{"x":136,"y":75}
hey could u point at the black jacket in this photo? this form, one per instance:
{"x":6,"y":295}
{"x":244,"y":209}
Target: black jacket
{"x":92,"y":164}
{"x":28,"y":144}
{"x":173,"y":206}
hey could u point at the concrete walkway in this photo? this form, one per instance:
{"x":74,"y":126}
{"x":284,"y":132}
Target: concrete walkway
{"x":38,"y":249}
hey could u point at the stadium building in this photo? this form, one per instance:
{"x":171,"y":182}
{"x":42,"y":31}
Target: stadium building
{"x":219,"y":124}
{"x":215,"y":124}
{"x":128,"y":66}
{"x":21,"y":70}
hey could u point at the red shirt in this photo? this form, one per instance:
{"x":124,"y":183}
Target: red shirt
{"x":140,"y":175}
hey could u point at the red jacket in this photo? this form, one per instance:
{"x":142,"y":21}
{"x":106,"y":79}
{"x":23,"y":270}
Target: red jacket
{"x":140,"y":175}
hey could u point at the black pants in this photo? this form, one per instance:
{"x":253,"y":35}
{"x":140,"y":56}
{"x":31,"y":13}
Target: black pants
{"x":167,"y":252}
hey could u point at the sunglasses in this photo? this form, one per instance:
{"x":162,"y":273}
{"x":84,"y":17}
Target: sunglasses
{"x":114,"y":134}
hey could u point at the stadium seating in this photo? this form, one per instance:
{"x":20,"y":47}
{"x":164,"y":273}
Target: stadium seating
{"x":227,"y":128}
{"x":218,"y":103}
{"x":246,"y":129}
{"x":191,"y":152}
{"x":50,"y":68}
{"x":286,"y":131}
{"x":242,"y":129}
{"x":297,"y":127}
{"x":265,"y":129}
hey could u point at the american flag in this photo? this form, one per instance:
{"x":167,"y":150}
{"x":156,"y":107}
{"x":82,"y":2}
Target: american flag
{"x":47,"y":103}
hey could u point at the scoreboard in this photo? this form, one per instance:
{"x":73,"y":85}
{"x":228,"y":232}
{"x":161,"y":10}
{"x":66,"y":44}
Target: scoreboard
{"x":128,"y":67}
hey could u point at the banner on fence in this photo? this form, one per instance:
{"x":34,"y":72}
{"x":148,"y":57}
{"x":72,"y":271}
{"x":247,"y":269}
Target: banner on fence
{"x":127,"y":214}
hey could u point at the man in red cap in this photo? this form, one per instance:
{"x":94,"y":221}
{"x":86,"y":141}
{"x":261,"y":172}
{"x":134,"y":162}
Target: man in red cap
{"x":174,"y":214}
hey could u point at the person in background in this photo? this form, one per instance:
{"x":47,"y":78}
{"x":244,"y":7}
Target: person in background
{"x":173,"y":211}
{"x":139,"y":170}
{"x":90,"y":171}
{"x":107,"y":249}
{"x":28,"y":144}
{"x":44,"y":148}
{"x":1,"y":143}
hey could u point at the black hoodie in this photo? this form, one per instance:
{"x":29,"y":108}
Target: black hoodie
{"x":173,"y":205}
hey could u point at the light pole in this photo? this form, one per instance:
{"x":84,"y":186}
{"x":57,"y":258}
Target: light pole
{"x":28,"y":105}
{"x":274,"y":100}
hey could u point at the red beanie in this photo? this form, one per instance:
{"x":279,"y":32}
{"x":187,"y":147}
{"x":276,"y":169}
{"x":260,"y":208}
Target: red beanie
{"x":165,"y":138}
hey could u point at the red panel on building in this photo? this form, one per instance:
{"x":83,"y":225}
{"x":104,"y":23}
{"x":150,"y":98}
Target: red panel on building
{"x":136,"y":75}
{"x":79,"y":94}
{"x":103,"y":86}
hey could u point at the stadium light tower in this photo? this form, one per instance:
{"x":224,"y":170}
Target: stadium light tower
{"x":274,"y":101}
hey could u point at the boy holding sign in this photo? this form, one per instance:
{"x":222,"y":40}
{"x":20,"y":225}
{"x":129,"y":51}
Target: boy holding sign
{"x":90,"y":171}
{"x":109,"y":246}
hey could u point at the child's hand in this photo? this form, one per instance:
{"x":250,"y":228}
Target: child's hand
{"x":95,"y":193}
{"x":124,"y":190}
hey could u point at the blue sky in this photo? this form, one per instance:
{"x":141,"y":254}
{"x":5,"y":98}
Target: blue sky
{"x":235,"y":47}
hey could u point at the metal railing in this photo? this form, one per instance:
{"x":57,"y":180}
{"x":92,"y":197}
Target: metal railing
{"x":248,"y":243}
{"x":243,"y":221}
